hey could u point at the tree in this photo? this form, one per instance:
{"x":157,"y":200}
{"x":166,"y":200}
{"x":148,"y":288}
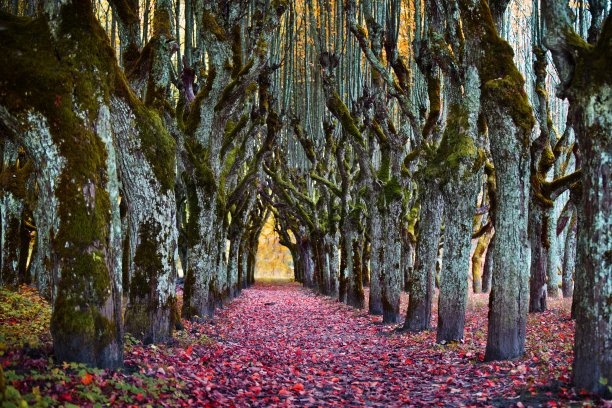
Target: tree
{"x":587,"y":88}
{"x":509,"y":121}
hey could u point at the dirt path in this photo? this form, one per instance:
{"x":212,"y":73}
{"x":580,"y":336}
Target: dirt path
{"x":283,"y":345}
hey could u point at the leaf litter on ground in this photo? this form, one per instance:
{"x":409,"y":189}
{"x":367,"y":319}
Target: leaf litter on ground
{"x":283,"y":345}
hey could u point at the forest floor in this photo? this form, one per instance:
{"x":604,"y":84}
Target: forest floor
{"x":282,"y":345}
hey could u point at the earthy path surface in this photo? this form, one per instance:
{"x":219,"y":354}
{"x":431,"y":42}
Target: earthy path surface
{"x":281,"y":344}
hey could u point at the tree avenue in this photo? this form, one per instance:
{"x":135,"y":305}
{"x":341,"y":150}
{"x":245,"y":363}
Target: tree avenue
{"x":436,"y":148}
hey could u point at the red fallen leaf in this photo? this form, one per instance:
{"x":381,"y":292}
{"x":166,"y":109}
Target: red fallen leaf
{"x":284,"y":393}
{"x":87,"y":379}
{"x":298,"y":387}
{"x":189,"y":350}
{"x":139,"y":397}
{"x":255,"y":389}
{"x":408,"y":361}
{"x":335,"y":380}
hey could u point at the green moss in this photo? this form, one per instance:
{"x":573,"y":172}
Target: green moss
{"x":14,"y":178}
{"x":157,"y":145}
{"x":457,"y":150}
{"x":147,"y":262}
{"x":227,"y":166}
{"x":392,"y":190}
{"x":501,"y":80}
{"x":193,"y":119}
{"x":209,"y":24}
{"x":232,"y":129}
{"x":199,"y":157}
{"x":547,"y":160}
{"x":76,"y":313}
{"x":161,"y":23}
{"x":340,"y":111}
{"x":592,"y":61}
{"x":384,"y":171}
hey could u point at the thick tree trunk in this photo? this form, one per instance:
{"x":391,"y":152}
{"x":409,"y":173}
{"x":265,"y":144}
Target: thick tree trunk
{"x":590,"y":107}
{"x":232,"y":267}
{"x":460,"y":196}
{"x":509,"y":120}
{"x":391,"y":268}
{"x":418,"y":316}
{"x":552,"y":257}
{"x":365,"y":261}
{"x":332,"y":248}
{"x":346,"y":262}
{"x":196,"y":296}
{"x":407,"y":258}
{"x":78,"y":186}
{"x":511,"y":256}
{"x":148,"y":187}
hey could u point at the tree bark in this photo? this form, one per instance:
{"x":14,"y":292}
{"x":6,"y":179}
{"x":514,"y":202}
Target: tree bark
{"x":79,"y":183}
{"x":418,"y":317}
{"x":569,"y":258}
{"x":588,"y":90}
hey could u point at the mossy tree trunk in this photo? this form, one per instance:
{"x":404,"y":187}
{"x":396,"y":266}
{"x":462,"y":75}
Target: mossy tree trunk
{"x":587,"y":84}
{"x":69,"y":129}
{"x":462,"y":160}
{"x":510,"y":120}
{"x":146,"y":157}
{"x":148,"y":190}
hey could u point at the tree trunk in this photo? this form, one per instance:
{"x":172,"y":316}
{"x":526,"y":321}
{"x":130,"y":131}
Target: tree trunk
{"x":356,"y":296}
{"x":538,"y":218}
{"x":148,"y":187}
{"x":569,"y":258}
{"x":196,"y":296}
{"x":391,"y":268}
{"x":509,"y":120}
{"x":460,"y":196}
{"x":376,"y":257}
{"x":13,"y":180}
{"x":79,"y":191}
{"x":487,"y":269}
{"x":509,"y":292}
{"x":418,"y":316}
{"x":478,"y":262}
{"x":592,"y":118}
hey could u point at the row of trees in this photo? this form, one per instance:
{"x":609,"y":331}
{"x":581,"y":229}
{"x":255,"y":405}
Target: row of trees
{"x":384,"y":137}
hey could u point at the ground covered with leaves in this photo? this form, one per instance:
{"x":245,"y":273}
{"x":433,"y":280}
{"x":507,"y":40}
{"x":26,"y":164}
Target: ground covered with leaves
{"x":279,"y":344}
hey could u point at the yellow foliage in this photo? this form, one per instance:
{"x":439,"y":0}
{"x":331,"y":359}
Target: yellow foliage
{"x":273,"y":260}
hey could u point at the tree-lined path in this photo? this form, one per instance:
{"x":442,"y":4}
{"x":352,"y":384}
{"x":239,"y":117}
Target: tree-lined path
{"x":436,"y":171}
